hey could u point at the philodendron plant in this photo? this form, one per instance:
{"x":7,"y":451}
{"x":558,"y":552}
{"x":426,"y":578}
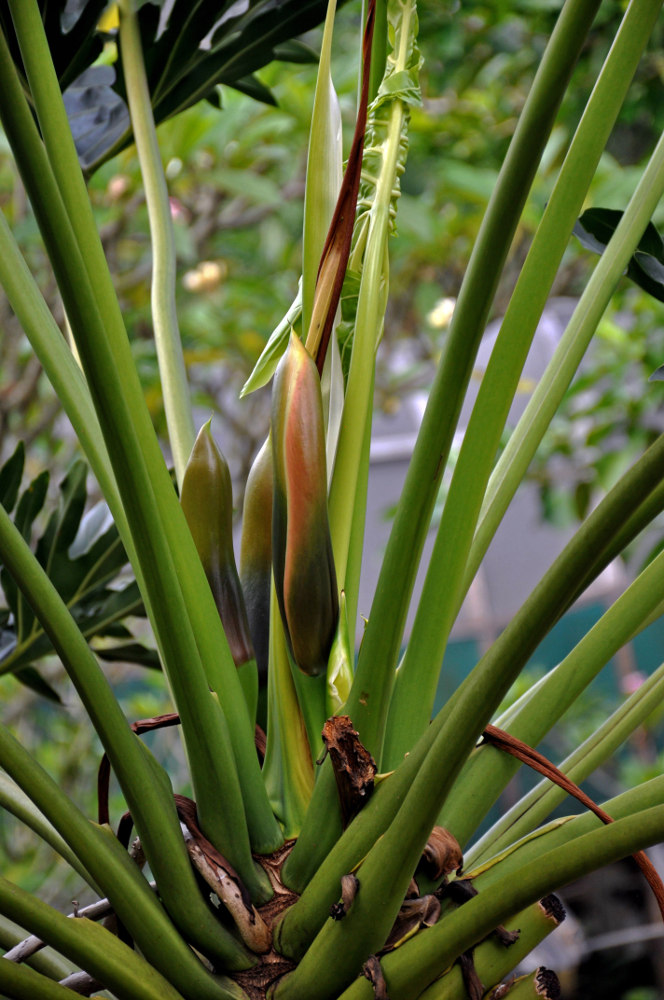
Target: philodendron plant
{"x":331,"y":851}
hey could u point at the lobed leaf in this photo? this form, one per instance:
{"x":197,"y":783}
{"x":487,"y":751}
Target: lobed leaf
{"x":595,"y":228}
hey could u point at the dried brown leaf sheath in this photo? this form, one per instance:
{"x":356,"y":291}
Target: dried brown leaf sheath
{"x":442,"y":854}
{"x":222,"y":879}
{"x":354,"y":767}
{"x":373,"y":972}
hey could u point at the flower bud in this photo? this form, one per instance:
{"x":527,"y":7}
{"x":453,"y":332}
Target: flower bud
{"x":304,"y":575}
{"x":207,"y":501}
{"x":256,"y":553}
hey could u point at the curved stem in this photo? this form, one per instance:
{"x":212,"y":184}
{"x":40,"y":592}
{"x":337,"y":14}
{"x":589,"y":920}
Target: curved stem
{"x":411,"y":968}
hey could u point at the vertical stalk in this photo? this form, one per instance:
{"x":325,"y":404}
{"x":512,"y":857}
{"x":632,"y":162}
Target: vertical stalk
{"x":324,"y":170}
{"x":172,"y":370}
{"x":288,"y":769}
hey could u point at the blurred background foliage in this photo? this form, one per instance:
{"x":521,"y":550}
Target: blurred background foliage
{"x":236,"y":179}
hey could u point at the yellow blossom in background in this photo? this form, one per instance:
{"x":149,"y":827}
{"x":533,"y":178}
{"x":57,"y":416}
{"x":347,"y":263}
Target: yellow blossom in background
{"x":206,"y":277}
{"x":441,"y":314}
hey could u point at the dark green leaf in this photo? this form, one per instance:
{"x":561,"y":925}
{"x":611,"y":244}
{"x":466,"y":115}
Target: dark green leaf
{"x":32,"y":679}
{"x":10,"y":478}
{"x":295,"y":51}
{"x":70,"y":27}
{"x":52,"y":547}
{"x":595,"y":228}
{"x":131,"y":652}
{"x":98,"y":116}
{"x":252,"y":87}
{"x":82,"y":555}
{"x":31,"y":503}
{"x":190,"y":46}
{"x":29,"y":506}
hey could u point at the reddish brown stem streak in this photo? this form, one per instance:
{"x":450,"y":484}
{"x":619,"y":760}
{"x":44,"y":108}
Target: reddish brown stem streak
{"x":510,"y":744}
{"x":340,"y":234}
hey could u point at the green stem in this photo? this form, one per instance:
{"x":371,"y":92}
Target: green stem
{"x":488,"y":773}
{"x":172,"y":370}
{"x":492,"y":960}
{"x":563,"y":832}
{"x":448,"y":577}
{"x":45,"y":961}
{"x":546,"y":398}
{"x":113,"y":870}
{"x":16,"y":802}
{"x":533,"y":808}
{"x":385,"y":628}
{"x":89,"y":945}
{"x":414,"y":966}
{"x":386,"y":870}
{"x":356,"y":540}
{"x":20,"y":982}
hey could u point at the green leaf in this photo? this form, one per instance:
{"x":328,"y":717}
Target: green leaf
{"x":252,"y":87}
{"x":70,"y":27}
{"x":277,"y":343}
{"x":131,"y":652}
{"x":83,"y":556}
{"x":595,"y":228}
{"x":32,"y":679}
{"x":11,"y":474}
{"x":189,"y":49}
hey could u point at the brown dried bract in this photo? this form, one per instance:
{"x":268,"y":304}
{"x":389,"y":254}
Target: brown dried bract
{"x":547,"y":984}
{"x":414,"y":914}
{"x":271,"y":966}
{"x":471,"y":981}
{"x":442,"y":854}
{"x":283,"y":897}
{"x":553,"y":908}
{"x":222,"y":878}
{"x":349,"y":887}
{"x":354,"y":767}
{"x":256,"y":981}
{"x":372,"y":971}
{"x":506,"y":937}
{"x":260,"y":742}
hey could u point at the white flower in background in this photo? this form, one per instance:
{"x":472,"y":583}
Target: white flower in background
{"x":441,"y":314}
{"x":206,"y":277}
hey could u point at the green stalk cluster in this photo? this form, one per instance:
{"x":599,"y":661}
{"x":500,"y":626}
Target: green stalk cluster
{"x":341,"y":889}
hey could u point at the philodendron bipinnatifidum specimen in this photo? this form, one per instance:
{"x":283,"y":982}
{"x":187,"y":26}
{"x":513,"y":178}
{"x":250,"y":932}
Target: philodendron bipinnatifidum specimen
{"x":326,"y":843}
